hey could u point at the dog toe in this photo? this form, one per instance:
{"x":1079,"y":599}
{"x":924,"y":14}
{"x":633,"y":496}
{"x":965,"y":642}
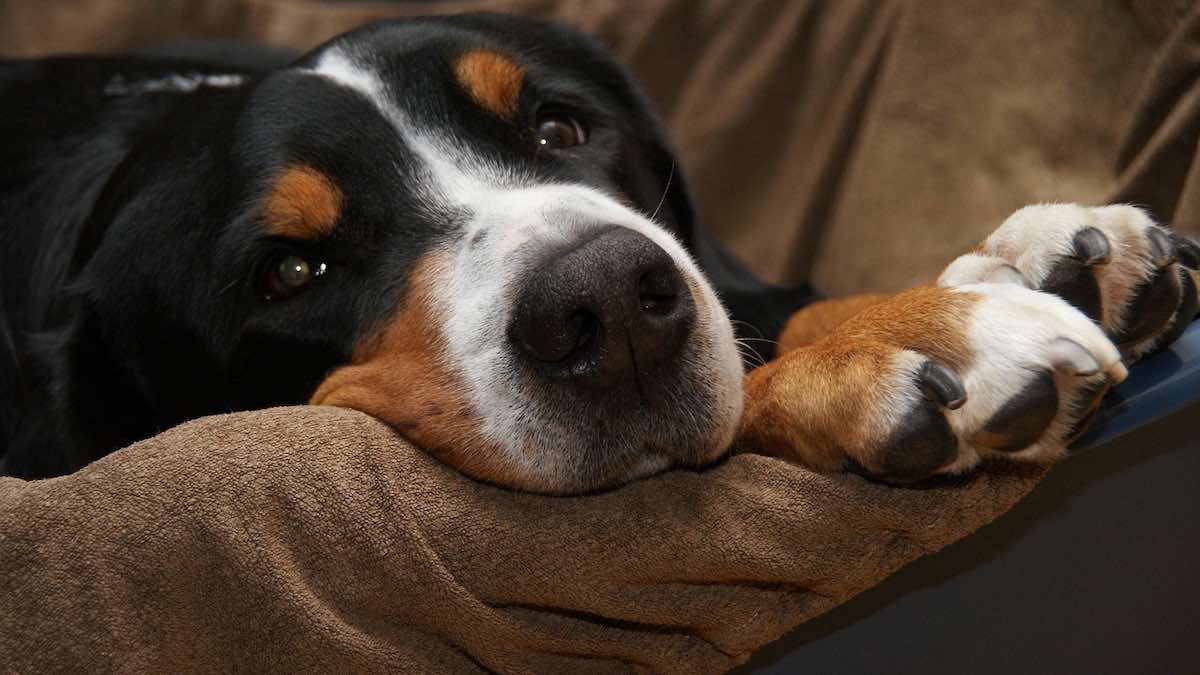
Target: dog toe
{"x":1152,"y":307}
{"x":923,"y":441}
{"x":1187,"y":250}
{"x":1162,"y":249}
{"x":1073,"y":278}
{"x":1091,"y":247}
{"x":1023,"y":418}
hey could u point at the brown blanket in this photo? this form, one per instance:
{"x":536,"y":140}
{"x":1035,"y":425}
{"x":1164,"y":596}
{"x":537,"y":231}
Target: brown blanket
{"x":316,"y":539}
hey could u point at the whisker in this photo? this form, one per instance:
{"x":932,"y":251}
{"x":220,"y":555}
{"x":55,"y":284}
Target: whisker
{"x":767,"y":340}
{"x":747,"y":325}
{"x":663,"y":198}
{"x":750,"y":354}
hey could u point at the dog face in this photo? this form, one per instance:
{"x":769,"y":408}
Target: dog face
{"x":467,"y":227}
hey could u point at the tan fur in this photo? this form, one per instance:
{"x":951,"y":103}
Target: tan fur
{"x":491,"y":79}
{"x":815,"y":404}
{"x":820,"y":318}
{"x":811,"y":405}
{"x":400,"y":375}
{"x":928,"y":319}
{"x":303,"y":204}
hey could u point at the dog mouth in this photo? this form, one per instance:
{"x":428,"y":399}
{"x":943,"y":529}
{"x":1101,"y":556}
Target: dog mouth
{"x":587,"y":441}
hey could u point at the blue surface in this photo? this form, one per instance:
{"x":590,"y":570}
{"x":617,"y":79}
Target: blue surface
{"x":1156,"y":387}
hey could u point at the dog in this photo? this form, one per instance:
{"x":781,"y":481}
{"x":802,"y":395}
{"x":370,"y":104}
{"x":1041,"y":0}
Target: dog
{"x":474,"y":229}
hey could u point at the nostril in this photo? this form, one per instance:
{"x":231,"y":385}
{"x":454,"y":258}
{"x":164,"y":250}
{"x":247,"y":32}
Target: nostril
{"x":658,"y":291}
{"x":587,"y":328}
{"x":557,"y":341}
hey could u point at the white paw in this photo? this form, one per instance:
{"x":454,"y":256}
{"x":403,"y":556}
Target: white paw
{"x":1038,"y":368}
{"x":1112,"y":262}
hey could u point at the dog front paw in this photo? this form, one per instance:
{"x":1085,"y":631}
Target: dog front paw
{"x":934,"y":381}
{"x":1133,"y":277}
{"x":1024,"y":380}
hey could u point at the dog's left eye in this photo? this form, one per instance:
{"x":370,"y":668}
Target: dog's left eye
{"x":556,"y":131}
{"x":290,"y":274}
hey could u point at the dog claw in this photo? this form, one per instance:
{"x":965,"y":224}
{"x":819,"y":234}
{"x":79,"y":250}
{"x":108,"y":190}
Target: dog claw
{"x":1162,"y":250}
{"x":941,"y":385}
{"x":1092,"y":247}
{"x":1067,"y":353}
{"x":1188,"y":251}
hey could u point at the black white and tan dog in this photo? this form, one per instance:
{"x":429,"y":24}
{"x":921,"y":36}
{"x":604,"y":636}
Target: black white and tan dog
{"x":473,"y":229}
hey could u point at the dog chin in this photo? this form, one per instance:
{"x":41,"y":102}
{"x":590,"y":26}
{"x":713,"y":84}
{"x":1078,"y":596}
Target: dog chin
{"x":593,"y":443}
{"x":603,"y":468}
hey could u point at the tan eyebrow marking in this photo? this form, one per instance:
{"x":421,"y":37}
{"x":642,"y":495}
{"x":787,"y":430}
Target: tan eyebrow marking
{"x":492,"y":79}
{"x":303,"y":203}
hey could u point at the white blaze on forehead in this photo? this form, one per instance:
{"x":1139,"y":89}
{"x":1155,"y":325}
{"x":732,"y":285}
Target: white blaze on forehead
{"x":508,"y":219}
{"x":337,"y":66}
{"x":455,"y":177}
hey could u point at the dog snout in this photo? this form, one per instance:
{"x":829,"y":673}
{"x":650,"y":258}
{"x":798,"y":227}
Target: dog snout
{"x":603,"y":310}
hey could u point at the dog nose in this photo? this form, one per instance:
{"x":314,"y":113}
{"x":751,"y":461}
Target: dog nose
{"x":604,"y":309}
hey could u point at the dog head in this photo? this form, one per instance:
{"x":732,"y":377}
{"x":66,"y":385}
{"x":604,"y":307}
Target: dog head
{"x":468,"y":227}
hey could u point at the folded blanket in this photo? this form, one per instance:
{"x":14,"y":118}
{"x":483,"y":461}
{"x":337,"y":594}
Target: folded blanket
{"x":316,"y":539}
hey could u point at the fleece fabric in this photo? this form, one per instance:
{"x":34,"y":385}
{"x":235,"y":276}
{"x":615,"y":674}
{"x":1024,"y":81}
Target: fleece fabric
{"x":316,"y":539}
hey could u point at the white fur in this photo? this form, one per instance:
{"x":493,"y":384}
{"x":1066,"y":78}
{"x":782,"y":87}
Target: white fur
{"x":1013,"y":334}
{"x":1035,"y":237}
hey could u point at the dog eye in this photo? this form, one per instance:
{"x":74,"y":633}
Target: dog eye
{"x":557,"y":131}
{"x":290,"y":274}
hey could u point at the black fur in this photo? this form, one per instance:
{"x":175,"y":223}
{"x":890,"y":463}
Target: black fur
{"x":130,"y":254}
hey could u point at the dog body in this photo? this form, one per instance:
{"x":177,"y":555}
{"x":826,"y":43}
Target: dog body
{"x":473,"y":229}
